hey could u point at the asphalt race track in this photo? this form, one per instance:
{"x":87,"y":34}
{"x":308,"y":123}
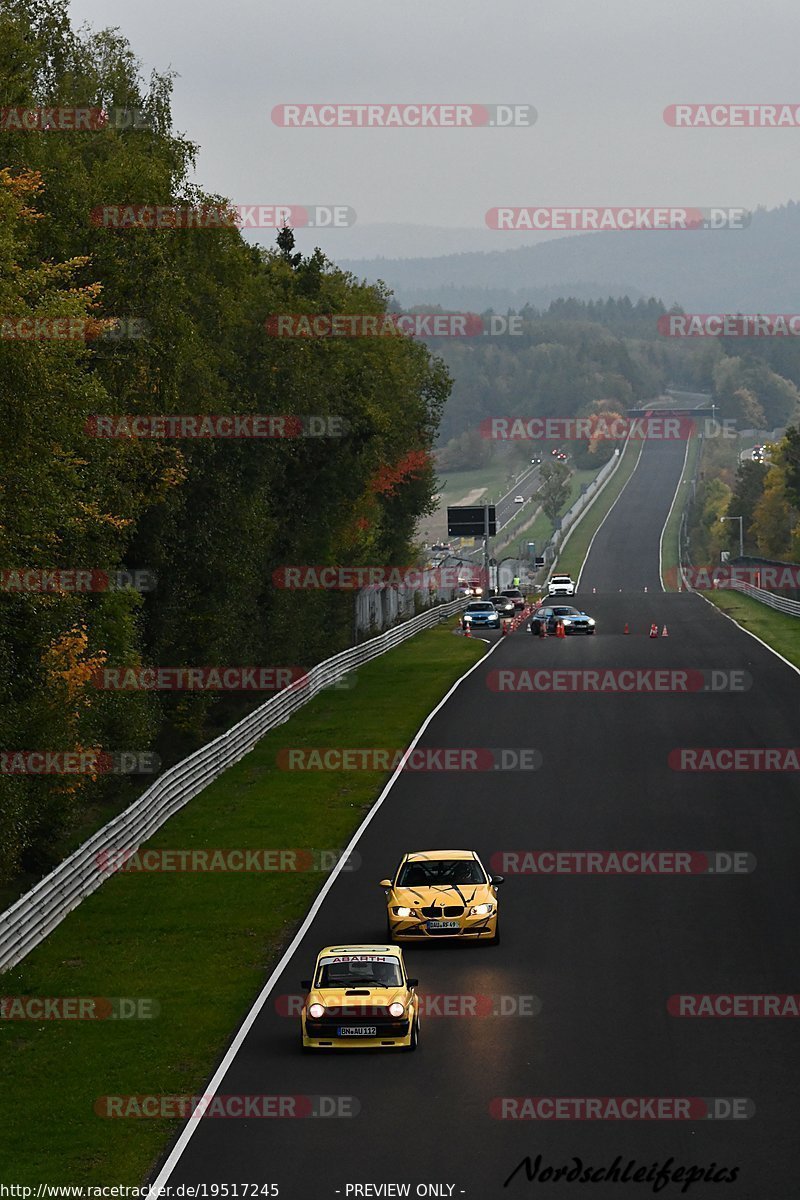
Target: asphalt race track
{"x":601,"y":954}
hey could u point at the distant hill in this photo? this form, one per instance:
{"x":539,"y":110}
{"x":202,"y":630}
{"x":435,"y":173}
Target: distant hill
{"x":752,"y":269}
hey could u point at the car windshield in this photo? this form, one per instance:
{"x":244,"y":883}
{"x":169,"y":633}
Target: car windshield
{"x":482,"y":606}
{"x":563,"y":610}
{"x":440,"y":872}
{"x":510,"y":593}
{"x":357,"y":971}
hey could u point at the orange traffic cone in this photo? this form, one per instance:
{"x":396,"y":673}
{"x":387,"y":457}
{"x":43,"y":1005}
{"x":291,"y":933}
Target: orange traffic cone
{"x":653,"y":631}
{"x":664,"y":632}
{"x":626,"y":629}
{"x":467,"y":631}
{"x":560,"y":629}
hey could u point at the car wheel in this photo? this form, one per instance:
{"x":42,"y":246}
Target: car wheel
{"x":389,"y":934}
{"x":414,"y":1037}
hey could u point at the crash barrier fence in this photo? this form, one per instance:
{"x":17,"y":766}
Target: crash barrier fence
{"x":780,"y":603}
{"x":39,"y":911}
{"x":573,"y":515}
{"x":379,"y":608}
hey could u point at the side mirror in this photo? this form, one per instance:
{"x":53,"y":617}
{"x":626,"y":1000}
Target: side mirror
{"x":306,"y":983}
{"x":385,"y":883}
{"x":412,"y":983}
{"x":498,"y":879}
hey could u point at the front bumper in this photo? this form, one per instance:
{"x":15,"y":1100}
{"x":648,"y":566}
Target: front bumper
{"x":396,"y":1034}
{"x":415,"y":929}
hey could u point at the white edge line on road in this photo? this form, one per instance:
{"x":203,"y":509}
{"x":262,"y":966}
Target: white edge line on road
{"x":669,"y":514}
{"x":608,"y":514}
{"x":749,"y":632}
{"x":216,"y":1079}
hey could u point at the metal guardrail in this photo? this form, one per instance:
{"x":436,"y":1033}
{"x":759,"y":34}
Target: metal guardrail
{"x":39,"y":911}
{"x":780,"y":603}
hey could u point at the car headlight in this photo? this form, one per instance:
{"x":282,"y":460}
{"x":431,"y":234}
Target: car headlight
{"x":404,"y":912}
{"x":397,"y":1009}
{"x":591,"y":620}
{"x":467,"y":619}
{"x":480,"y":910}
{"x":316,"y":1011}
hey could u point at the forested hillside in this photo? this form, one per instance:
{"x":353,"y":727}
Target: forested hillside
{"x":211,"y":518}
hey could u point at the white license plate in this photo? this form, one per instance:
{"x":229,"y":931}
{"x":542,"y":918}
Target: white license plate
{"x":358,"y":1031}
{"x":442,"y":924}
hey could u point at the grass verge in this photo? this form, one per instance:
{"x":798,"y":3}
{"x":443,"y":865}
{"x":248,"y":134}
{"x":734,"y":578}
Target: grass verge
{"x":541,"y":529}
{"x":198,"y":944}
{"x":572,"y":556}
{"x":776,"y":629}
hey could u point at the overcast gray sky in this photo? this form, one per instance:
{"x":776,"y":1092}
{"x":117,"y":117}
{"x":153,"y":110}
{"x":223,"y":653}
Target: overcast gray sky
{"x":599,"y":76}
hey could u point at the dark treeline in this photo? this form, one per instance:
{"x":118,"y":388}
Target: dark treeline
{"x":577,"y":357}
{"x":212,"y":518}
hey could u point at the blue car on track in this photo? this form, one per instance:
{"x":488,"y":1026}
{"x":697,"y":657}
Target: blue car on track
{"x":481,"y":614}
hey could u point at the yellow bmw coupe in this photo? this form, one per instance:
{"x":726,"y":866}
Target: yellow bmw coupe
{"x":360,"y":997}
{"x":442,"y":894}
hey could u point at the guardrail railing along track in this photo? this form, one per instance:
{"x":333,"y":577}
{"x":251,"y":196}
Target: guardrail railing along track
{"x":39,"y":911}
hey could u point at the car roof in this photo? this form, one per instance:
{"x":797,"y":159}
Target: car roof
{"x":394,"y":951}
{"x":424,"y":855}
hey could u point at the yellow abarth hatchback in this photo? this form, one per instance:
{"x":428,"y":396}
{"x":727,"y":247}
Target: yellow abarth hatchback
{"x":360,"y":996}
{"x":442,"y":894}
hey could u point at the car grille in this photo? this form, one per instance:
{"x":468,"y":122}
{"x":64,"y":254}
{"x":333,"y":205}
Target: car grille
{"x":329,"y":1025}
{"x":450,"y":910}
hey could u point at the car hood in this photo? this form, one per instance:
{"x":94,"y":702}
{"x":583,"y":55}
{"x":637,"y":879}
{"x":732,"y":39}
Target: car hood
{"x":424,"y":897}
{"x":367,"y":997}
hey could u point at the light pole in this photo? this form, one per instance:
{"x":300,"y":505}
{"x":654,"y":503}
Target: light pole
{"x":741,"y":532}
